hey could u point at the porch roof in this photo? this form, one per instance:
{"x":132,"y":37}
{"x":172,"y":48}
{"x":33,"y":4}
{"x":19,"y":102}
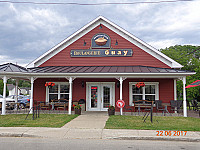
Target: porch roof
{"x":16,"y":71}
{"x":103,"y":69}
{"x":10,"y":67}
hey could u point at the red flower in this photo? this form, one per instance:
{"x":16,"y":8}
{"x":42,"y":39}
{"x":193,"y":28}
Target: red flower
{"x":49,"y":84}
{"x":140,"y":84}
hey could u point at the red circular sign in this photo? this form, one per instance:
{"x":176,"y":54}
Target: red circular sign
{"x":120,"y":103}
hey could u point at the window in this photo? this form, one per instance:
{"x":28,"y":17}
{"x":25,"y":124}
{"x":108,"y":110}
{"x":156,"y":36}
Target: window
{"x":59,"y":91}
{"x":149,"y":92}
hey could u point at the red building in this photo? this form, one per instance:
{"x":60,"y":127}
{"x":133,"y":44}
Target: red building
{"x":101,"y":63}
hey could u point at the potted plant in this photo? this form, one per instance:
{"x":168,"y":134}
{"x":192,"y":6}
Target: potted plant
{"x":111,"y":110}
{"x":77,"y":109}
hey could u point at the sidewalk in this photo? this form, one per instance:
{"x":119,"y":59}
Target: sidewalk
{"x":91,"y":126}
{"x":68,"y":133}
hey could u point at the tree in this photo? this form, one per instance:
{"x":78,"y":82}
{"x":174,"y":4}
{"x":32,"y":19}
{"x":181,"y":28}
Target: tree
{"x":1,"y":88}
{"x":189,"y":57}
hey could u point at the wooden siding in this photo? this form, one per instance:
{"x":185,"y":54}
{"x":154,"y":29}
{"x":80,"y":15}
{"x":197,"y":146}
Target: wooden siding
{"x":139,"y":57}
{"x":166,"y":88}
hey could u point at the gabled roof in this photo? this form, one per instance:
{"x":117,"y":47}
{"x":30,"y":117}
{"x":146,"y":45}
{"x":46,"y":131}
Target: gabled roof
{"x":90,"y":26}
{"x":10,"y":86}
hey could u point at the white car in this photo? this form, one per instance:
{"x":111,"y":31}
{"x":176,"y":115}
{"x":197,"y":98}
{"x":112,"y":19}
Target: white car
{"x":7,"y":99}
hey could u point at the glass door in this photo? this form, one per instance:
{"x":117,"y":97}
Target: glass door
{"x":106,"y":96}
{"x":100,"y":96}
{"x":94,"y":97}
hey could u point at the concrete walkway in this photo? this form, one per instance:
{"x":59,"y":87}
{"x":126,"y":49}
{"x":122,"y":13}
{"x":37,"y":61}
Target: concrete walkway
{"x":88,"y":120}
{"x":119,"y":134}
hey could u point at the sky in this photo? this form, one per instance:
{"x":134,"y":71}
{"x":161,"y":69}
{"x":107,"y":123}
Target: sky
{"x":29,"y":30}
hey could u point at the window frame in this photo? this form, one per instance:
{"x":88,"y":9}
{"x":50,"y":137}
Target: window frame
{"x":58,"y":93}
{"x":143,"y":89}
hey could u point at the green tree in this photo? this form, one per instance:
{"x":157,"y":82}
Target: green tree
{"x":1,"y":88}
{"x":189,"y":57}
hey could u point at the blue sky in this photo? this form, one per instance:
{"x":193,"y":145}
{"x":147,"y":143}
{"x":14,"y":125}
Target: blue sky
{"x":28,"y":30}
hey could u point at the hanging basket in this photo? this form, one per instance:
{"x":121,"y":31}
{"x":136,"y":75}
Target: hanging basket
{"x":140,"y":84}
{"x":49,"y":84}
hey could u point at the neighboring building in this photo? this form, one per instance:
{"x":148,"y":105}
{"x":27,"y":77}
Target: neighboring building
{"x":22,"y":90}
{"x":11,"y":89}
{"x":104,"y":62}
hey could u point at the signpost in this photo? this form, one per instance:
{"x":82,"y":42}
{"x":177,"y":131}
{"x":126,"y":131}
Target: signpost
{"x":120,"y":104}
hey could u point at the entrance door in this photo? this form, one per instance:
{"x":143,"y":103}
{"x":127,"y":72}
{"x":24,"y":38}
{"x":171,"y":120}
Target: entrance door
{"x":100,"y":96}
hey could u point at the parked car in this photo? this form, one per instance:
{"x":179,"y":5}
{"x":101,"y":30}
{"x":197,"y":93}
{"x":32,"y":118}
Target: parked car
{"x":22,"y":99}
{"x":8,"y":99}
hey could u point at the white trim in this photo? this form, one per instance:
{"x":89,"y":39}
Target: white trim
{"x":146,"y":83}
{"x":56,"y":83}
{"x":115,"y":28}
{"x":115,"y":75}
{"x":175,"y":90}
{"x":100,"y":85}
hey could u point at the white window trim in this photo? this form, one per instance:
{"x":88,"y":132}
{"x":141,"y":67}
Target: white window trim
{"x":146,"y":83}
{"x":56,"y":83}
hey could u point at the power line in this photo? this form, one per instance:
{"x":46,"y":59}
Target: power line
{"x":189,"y":53}
{"x":109,"y":3}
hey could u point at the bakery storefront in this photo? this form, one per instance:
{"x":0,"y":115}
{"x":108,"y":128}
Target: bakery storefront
{"x":101,"y":63}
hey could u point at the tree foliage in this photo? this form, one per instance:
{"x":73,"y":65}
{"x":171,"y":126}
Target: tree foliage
{"x":189,"y":57}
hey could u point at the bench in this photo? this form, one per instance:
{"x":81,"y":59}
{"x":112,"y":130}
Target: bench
{"x":146,"y":104}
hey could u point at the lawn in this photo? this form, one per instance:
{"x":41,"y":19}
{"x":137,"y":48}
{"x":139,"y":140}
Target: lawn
{"x":45,"y":120}
{"x":159,"y":123}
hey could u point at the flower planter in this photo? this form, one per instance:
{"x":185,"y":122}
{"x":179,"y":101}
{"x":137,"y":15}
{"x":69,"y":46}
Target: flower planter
{"x":77,"y":111}
{"x":111,"y":112}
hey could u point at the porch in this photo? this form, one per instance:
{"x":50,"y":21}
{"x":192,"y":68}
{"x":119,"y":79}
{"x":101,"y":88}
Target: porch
{"x":81,"y":80}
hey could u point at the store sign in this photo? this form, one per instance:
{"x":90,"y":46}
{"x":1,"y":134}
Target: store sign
{"x":102,"y":53}
{"x":100,"y":40}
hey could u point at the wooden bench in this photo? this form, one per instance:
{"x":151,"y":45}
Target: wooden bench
{"x":146,"y":104}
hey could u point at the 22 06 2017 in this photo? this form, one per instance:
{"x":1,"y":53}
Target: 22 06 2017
{"x":171,"y":133}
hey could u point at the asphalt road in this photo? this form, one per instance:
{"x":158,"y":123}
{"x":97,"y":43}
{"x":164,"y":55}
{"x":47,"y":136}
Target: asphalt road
{"x":7,"y":143}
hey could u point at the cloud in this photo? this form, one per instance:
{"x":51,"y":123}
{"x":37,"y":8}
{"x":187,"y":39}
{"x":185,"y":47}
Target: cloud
{"x":168,"y":42}
{"x":27,"y":31}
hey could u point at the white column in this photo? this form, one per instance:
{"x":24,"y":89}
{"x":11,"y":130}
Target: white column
{"x":184,"y":98}
{"x":4,"y":96}
{"x":70,"y":96}
{"x":175,"y":90}
{"x":121,"y":82}
{"x":16,"y":90}
{"x":31,"y":98}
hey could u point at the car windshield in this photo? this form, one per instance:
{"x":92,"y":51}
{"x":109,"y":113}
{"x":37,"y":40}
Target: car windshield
{"x":1,"y":96}
{"x":10,"y":96}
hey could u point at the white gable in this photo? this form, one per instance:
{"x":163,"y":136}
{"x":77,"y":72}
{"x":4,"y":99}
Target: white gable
{"x":115,"y":28}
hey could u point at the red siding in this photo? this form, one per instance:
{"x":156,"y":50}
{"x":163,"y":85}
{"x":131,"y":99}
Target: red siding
{"x":139,"y":57}
{"x":166,"y":88}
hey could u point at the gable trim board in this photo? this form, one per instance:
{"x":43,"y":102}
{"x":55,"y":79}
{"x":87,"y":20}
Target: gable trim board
{"x":115,"y":28}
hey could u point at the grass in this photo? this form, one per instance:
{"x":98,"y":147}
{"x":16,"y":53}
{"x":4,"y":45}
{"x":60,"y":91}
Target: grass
{"x":159,"y":123}
{"x":45,"y":120}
